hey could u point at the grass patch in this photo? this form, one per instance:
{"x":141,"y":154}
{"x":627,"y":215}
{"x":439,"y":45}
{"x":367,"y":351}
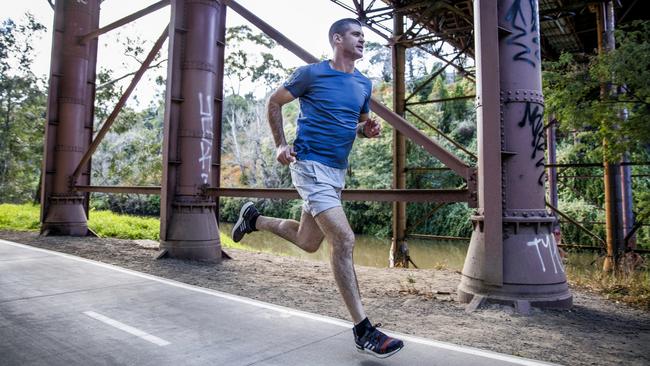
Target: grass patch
{"x":112,"y":225}
{"x":24,"y":217}
{"x":107,"y":224}
{"x":584,"y":270}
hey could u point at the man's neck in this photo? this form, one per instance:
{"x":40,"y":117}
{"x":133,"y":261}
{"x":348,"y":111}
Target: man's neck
{"x":342,"y":64}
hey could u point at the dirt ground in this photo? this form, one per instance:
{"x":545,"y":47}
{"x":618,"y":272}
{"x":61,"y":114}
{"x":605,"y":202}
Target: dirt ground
{"x":595,"y":331}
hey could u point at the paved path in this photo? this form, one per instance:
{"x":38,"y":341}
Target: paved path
{"x":57,"y":309}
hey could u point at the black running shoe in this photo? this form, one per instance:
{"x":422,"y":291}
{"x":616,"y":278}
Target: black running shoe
{"x":244,"y":225}
{"x":377,"y":343}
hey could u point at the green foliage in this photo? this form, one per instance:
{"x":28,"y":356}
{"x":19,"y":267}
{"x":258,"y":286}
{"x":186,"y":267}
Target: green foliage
{"x":145,"y":205}
{"x":248,"y":58}
{"x":130,"y":155}
{"x":642,"y":211}
{"x":450,"y":220}
{"x":572,"y":89}
{"x":22,"y":111}
{"x":586,"y":213}
{"x":628,"y":68}
{"x":371,"y":218}
{"x":24,"y":217}
{"x":603,"y":105}
{"x":571,"y":150}
{"x":378,"y":54}
{"x":109,"y":224}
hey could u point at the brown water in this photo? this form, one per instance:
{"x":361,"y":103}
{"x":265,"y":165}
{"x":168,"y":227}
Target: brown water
{"x":368,"y":251}
{"x":372,"y":251}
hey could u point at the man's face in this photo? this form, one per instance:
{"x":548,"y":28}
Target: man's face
{"x":352,"y":41}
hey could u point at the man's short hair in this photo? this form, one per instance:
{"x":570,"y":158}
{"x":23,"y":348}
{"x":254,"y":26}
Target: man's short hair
{"x":341,"y":26}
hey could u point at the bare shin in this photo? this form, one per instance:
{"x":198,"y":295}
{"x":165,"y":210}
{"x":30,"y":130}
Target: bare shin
{"x":341,"y":238}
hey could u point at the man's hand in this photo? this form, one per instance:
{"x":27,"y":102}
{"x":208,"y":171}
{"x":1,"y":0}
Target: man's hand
{"x":285,"y":154}
{"x":371,"y":128}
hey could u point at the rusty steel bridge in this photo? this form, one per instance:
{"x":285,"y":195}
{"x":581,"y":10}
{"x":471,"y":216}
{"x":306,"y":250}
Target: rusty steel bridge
{"x":512,"y":257}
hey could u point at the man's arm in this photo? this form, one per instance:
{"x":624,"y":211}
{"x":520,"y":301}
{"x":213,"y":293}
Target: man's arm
{"x":284,"y":153}
{"x":368,"y":127}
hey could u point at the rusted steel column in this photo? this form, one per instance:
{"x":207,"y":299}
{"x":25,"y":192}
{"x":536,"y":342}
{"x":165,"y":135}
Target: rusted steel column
{"x":484,"y":257}
{"x":69,"y":118}
{"x":627,"y":203}
{"x":523,"y":266}
{"x":613,"y":215}
{"x":399,"y":249}
{"x":218,"y":104}
{"x":612,"y":179}
{"x":188,"y":223}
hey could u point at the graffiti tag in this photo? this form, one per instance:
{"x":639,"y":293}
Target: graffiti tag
{"x":524,"y":27}
{"x":549,"y":245}
{"x":206,"y":136}
{"x":534,"y":116}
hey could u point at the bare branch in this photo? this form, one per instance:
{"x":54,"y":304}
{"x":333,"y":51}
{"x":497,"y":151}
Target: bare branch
{"x":51,"y":2}
{"x":108,"y":83}
{"x":135,"y":58}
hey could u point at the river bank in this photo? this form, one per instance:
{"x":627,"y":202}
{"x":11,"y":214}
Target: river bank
{"x":595,"y":331}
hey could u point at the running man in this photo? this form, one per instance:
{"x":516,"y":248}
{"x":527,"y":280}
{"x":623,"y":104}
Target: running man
{"x":334,"y":109}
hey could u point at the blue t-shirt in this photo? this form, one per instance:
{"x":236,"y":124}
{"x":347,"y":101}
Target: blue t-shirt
{"x":330,"y":104}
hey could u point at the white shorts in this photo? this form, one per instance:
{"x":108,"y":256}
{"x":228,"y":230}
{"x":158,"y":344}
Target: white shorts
{"x":319,"y":185}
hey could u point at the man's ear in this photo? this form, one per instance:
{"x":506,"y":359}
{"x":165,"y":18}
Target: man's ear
{"x":337,"y":37}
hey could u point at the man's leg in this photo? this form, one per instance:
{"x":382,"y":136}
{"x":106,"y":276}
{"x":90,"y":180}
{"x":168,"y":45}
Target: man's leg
{"x":305,"y":234}
{"x":367,"y":337}
{"x":339,"y":234}
{"x":308,"y":235}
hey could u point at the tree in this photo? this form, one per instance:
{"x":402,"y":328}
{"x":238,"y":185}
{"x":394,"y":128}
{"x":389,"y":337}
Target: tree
{"x":379,"y":56}
{"x":572,"y":89}
{"x":242,"y":64}
{"x":22,"y":111}
{"x":131,"y":155}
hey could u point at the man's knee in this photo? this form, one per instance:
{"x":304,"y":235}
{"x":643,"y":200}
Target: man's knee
{"x":310,"y":245}
{"x":344,"y":243}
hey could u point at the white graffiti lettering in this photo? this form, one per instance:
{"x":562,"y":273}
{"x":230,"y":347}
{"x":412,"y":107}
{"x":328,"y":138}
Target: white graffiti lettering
{"x":206,"y":136}
{"x":535,"y":243}
{"x":552,"y":251}
{"x":548,"y":244}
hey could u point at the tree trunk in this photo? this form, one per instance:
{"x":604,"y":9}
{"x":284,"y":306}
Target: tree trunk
{"x":4,"y":142}
{"x":233,"y":131}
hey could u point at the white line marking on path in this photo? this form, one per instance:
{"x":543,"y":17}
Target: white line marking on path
{"x":127,"y":328}
{"x":444,"y":345}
